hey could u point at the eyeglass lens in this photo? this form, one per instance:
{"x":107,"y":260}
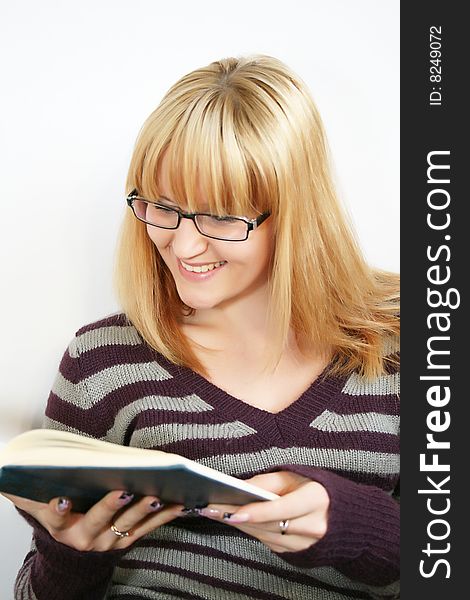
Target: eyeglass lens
{"x":228,"y":228}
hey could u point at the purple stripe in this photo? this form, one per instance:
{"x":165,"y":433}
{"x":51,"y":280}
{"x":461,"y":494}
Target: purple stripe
{"x":119,"y":320}
{"x":96,"y":360}
{"x":387,"y":483}
{"x":387,"y":404}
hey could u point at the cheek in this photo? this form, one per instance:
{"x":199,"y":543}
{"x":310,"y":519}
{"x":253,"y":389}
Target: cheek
{"x":265,"y":249}
{"x":158,"y":236}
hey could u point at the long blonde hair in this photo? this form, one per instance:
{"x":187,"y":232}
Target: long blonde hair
{"x":246,"y":131}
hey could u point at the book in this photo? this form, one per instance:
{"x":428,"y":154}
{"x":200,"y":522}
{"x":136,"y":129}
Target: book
{"x":42,"y":464}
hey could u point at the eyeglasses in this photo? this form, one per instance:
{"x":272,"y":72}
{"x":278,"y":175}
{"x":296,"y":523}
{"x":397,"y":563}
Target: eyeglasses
{"x":225,"y":228}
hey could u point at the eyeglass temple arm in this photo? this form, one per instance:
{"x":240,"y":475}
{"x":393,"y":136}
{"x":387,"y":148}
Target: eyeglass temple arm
{"x":257,"y":222}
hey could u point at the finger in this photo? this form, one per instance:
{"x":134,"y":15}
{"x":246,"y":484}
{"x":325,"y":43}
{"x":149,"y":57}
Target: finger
{"x":153,"y":521}
{"x":304,"y":500}
{"x":218,"y":511}
{"x":279,"y":482}
{"x":103,"y":512}
{"x":311,"y":527}
{"x":128,"y":518}
{"x":53,"y":516}
{"x":25,"y":504}
{"x":279,"y":543}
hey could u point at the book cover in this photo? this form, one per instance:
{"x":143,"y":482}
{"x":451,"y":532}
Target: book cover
{"x":42,"y":464}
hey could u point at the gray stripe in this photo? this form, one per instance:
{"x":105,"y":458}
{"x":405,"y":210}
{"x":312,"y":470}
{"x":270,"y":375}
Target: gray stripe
{"x":360,"y":461}
{"x":366,"y":421}
{"x":49,"y":423}
{"x":124,"y":417}
{"x":381,"y":386}
{"x":390,"y":345}
{"x":93,"y":389}
{"x":117,"y":591}
{"x":176,"y":582}
{"x":22,"y":588}
{"x":225,"y":571}
{"x":168,"y":433}
{"x":245,"y":548}
{"x":104,"y":336}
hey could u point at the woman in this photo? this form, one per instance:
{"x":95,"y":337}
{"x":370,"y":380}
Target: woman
{"x":253,"y":339}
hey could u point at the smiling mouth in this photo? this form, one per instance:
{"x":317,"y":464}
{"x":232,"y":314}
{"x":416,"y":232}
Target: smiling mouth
{"x":202,"y":268}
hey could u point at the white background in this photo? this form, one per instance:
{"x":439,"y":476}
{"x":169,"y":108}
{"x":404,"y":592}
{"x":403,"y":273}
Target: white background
{"x":77,"y":81}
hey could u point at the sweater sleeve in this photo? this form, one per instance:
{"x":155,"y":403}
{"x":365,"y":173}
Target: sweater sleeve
{"x":51,"y":570}
{"x":363,"y":535}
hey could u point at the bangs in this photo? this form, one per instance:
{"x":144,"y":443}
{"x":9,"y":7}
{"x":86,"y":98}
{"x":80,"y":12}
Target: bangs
{"x":216,"y":156}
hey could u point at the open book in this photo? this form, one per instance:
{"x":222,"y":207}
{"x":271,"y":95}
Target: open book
{"x":44,"y":463}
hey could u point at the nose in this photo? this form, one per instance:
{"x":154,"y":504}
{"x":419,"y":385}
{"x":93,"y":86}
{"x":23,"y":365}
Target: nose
{"x":187,"y":241}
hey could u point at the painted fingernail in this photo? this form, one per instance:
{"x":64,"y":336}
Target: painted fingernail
{"x":155,"y":505}
{"x":210,"y":512}
{"x":125,"y":497}
{"x":63,"y":504}
{"x":236,"y":518}
{"x":191,"y":512}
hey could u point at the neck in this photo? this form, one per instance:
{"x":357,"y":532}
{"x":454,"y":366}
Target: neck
{"x":242,"y":322}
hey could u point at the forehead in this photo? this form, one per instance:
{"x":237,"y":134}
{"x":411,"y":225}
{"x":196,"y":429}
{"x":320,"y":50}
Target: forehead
{"x":163,"y":177}
{"x":166,"y":188}
{"x":207,"y":181}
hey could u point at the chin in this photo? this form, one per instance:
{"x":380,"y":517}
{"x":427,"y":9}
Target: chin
{"x":198,"y":303}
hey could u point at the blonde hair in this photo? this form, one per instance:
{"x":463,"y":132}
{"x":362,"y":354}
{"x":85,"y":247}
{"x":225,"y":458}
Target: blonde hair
{"x":246,"y":131}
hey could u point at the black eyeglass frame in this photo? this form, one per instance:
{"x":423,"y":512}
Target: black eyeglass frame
{"x":251,"y":224}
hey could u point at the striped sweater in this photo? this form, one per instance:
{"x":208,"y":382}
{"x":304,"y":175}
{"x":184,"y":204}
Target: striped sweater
{"x":341,"y":432}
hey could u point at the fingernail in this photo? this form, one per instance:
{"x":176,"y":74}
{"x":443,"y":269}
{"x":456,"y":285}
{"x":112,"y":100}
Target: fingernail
{"x":63,"y":504}
{"x":236,"y":518}
{"x":210,"y":512}
{"x":125,"y":497}
{"x":155,"y":505}
{"x":191,"y":512}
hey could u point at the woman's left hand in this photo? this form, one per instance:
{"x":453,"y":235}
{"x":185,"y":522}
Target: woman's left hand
{"x":302,"y":506}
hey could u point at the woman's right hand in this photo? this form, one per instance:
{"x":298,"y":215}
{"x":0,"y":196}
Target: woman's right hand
{"x":92,"y":531}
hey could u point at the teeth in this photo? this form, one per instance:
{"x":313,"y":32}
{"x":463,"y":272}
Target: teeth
{"x":202,"y":268}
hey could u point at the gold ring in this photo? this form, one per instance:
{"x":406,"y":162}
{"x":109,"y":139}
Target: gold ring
{"x":283,"y":525}
{"x":120,"y":534}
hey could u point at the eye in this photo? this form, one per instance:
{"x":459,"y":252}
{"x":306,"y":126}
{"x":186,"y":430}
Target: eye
{"x":164,"y":208}
{"x":224,"y":219}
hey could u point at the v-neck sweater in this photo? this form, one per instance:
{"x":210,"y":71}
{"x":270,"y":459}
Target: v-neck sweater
{"x":342,"y":432}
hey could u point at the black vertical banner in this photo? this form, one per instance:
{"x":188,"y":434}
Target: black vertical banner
{"x":435,"y":268}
